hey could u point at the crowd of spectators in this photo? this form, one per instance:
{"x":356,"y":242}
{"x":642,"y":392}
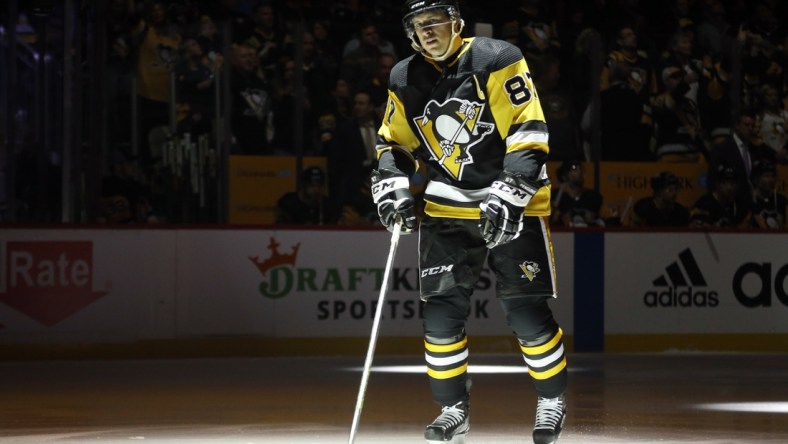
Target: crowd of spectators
{"x":729,"y":201}
{"x":675,"y":75}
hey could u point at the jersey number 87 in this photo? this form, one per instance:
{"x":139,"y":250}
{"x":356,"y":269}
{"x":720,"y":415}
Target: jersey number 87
{"x":517,"y":89}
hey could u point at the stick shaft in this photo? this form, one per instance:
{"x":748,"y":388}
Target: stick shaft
{"x":375,"y":327}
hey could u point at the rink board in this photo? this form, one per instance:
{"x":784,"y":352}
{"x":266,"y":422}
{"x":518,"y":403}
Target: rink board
{"x":631,"y":291}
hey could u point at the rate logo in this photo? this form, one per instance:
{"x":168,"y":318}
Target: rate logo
{"x":49,"y":281}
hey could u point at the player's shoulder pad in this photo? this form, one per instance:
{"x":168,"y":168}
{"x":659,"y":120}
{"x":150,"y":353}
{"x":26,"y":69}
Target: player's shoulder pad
{"x":399,"y":73}
{"x":493,"y":54}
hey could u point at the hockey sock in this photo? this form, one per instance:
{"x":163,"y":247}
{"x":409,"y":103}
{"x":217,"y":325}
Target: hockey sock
{"x":546,"y":363}
{"x":447,"y":368}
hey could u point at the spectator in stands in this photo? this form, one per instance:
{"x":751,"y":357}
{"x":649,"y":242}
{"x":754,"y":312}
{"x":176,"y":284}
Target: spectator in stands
{"x":738,"y":153}
{"x":326,"y":43}
{"x":533,"y":28}
{"x":574,"y":205}
{"x":761,"y":36}
{"x":378,"y":86}
{"x":351,"y":152}
{"x":227,"y":13}
{"x":318,"y":72}
{"x":251,"y":102}
{"x":196,"y":88}
{"x":661,"y":209}
{"x":327,"y":49}
{"x":715,"y":39}
{"x":679,"y":134}
{"x":629,"y":57}
{"x":359,"y":66}
{"x":714,"y":99}
{"x":157,"y":42}
{"x":339,"y":108}
{"x":769,"y":206}
{"x":125,"y":200}
{"x":714,"y":32}
{"x":774,"y":124}
{"x":718,"y":207}
{"x":682,"y":15}
{"x":681,"y":58}
{"x":368,"y":35}
{"x":310,"y":204}
{"x":212,"y":44}
{"x":268,"y":38}
{"x":765,"y":22}
{"x":558,"y":107}
{"x":284,"y":108}
{"x":625,"y":126}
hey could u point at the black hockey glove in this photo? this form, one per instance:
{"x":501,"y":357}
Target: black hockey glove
{"x":502,"y":210}
{"x":395,"y":202}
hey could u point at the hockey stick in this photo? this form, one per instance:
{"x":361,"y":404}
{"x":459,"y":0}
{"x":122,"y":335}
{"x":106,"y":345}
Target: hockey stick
{"x":456,"y":135}
{"x":375,"y":327}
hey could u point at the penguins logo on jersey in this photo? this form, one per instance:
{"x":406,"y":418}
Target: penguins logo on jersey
{"x":450,"y":129}
{"x":529,"y":270}
{"x":256,"y":101}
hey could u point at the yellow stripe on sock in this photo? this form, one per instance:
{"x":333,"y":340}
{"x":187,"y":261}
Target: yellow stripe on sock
{"x":539,"y":349}
{"x":446,"y":374}
{"x":548,"y":373}
{"x":435,"y":348}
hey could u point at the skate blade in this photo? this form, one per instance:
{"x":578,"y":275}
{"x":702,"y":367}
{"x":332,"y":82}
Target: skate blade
{"x":458,"y":439}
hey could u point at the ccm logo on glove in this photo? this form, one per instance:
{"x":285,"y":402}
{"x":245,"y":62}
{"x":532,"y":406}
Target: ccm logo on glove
{"x":512,"y":193}
{"x":394,"y":200}
{"x":384,"y":186}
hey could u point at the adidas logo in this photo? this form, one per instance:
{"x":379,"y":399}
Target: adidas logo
{"x":679,"y":286}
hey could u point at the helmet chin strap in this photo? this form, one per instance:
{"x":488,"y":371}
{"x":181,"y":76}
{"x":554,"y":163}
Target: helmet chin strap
{"x":454,"y":44}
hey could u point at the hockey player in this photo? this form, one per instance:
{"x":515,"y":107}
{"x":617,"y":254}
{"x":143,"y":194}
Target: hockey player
{"x":468,"y":109}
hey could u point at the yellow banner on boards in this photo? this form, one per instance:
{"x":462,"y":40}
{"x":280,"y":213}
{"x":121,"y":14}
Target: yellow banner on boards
{"x":257,"y":182}
{"x":624,"y":183}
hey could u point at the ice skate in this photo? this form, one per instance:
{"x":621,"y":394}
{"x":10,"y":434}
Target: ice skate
{"x":450,"y":426}
{"x":550,"y":415}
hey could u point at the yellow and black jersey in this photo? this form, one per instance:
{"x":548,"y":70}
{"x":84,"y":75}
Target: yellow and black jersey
{"x":467,"y":118}
{"x":639,"y":67}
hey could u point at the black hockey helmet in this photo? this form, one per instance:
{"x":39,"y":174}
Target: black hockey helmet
{"x":414,"y":7}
